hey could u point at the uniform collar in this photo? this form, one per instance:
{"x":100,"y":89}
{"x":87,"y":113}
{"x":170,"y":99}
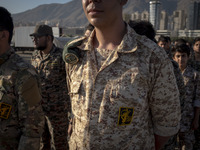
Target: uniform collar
{"x":127,"y":45}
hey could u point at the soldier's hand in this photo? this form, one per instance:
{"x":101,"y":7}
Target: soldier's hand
{"x":195,"y":124}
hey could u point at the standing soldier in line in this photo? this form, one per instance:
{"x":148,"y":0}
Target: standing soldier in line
{"x":47,"y":59}
{"x":195,"y":63}
{"x":21,"y":115}
{"x":163,"y":42}
{"x":190,"y":114}
{"x":123,"y":89}
{"x":146,"y":28}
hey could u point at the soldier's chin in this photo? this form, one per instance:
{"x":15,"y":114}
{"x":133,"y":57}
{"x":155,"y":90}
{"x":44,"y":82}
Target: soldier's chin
{"x":41,"y":48}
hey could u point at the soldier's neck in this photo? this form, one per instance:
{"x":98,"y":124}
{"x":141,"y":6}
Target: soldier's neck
{"x":4,"y":48}
{"x":197,"y":56}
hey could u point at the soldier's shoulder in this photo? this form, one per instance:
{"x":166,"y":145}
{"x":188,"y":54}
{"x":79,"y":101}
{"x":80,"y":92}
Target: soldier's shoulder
{"x":76,"y":41}
{"x":21,"y":66}
{"x":175,"y":64}
{"x":58,"y":51}
{"x":151,"y":46}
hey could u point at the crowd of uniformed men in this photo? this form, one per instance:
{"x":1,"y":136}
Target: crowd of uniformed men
{"x":116,"y":87}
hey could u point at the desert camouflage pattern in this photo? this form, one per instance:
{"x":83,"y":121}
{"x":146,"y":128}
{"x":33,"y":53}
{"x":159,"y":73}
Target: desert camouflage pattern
{"x":129,"y":99}
{"x":21,"y":115}
{"x":192,"y":99}
{"x":196,"y":65}
{"x":55,"y":99}
{"x":180,"y":83}
{"x":193,"y":63}
{"x":172,"y":142}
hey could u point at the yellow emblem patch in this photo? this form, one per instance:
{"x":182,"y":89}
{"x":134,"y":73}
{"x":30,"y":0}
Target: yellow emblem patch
{"x":125,"y":116}
{"x":5,"y":110}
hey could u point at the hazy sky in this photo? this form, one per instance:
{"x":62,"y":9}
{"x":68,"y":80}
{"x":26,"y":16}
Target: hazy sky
{"x":16,"y":6}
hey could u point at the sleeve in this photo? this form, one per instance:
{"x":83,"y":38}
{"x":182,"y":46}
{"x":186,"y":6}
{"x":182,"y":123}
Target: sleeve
{"x":31,"y":116}
{"x":64,"y":82}
{"x":180,"y":84}
{"x":164,"y":99}
{"x":67,"y":68}
{"x":197,"y":90}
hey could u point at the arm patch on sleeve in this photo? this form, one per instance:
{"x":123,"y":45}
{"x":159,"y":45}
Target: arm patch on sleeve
{"x":30,"y":92}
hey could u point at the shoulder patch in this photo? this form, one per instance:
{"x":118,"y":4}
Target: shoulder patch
{"x":71,"y":52}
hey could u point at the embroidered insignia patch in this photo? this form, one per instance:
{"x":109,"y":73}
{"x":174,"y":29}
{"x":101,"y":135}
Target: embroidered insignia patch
{"x":125,"y":116}
{"x":5,"y":110}
{"x":71,"y":58}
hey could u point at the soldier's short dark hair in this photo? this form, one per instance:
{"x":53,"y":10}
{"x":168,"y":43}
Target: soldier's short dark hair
{"x":196,"y":40}
{"x":6,"y":22}
{"x":163,"y":39}
{"x":181,"y":48}
{"x":143,"y":27}
{"x":180,"y":41}
{"x":168,"y":38}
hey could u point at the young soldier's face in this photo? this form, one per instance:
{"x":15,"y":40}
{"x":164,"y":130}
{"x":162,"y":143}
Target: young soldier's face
{"x":196,"y":47}
{"x":181,"y":59}
{"x":163,"y":44}
{"x":102,"y":13}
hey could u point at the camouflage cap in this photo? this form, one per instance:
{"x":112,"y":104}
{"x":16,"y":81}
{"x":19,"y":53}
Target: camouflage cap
{"x":41,"y":30}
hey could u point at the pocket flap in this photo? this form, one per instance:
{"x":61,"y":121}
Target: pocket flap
{"x":75,"y":86}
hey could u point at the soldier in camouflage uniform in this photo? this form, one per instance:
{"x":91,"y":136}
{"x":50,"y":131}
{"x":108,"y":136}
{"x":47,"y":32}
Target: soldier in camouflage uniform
{"x":195,"y":63}
{"x":21,"y":115}
{"x":163,"y":42}
{"x":47,"y":59}
{"x":190,"y":114}
{"x":123,"y":90}
{"x":146,"y":28}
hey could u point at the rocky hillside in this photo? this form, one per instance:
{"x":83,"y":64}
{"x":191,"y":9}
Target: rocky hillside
{"x":71,"y":14}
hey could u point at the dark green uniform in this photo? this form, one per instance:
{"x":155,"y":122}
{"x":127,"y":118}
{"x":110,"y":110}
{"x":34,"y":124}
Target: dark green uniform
{"x":21,"y":115}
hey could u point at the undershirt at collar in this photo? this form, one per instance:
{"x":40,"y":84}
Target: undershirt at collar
{"x":101,"y":56}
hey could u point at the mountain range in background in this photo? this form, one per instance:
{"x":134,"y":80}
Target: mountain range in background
{"x":71,"y":14}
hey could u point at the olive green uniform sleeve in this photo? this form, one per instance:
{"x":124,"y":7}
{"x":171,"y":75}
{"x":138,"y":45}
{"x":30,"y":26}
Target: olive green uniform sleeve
{"x":31,"y":117}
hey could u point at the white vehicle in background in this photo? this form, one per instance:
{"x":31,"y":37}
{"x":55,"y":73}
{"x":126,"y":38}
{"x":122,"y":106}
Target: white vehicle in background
{"x":22,"y":41}
{"x":62,"y":41}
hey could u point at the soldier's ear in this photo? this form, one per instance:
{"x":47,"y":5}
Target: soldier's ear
{"x":4,"y":34}
{"x":123,"y":2}
{"x":49,"y":38}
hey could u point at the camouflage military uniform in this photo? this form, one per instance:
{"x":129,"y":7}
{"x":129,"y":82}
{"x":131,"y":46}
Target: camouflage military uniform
{"x":196,"y":65}
{"x":129,"y":99}
{"x":55,"y":101}
{"x":21,"y":115}
{"x":193,"y":63}
{"x":192,"y":99}
{"x":172,"y":142}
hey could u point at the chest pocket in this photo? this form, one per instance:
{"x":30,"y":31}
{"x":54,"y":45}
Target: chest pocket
{"x":78,"y":98}
{"x":52,"y":69}
{"x":75,"y":87}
